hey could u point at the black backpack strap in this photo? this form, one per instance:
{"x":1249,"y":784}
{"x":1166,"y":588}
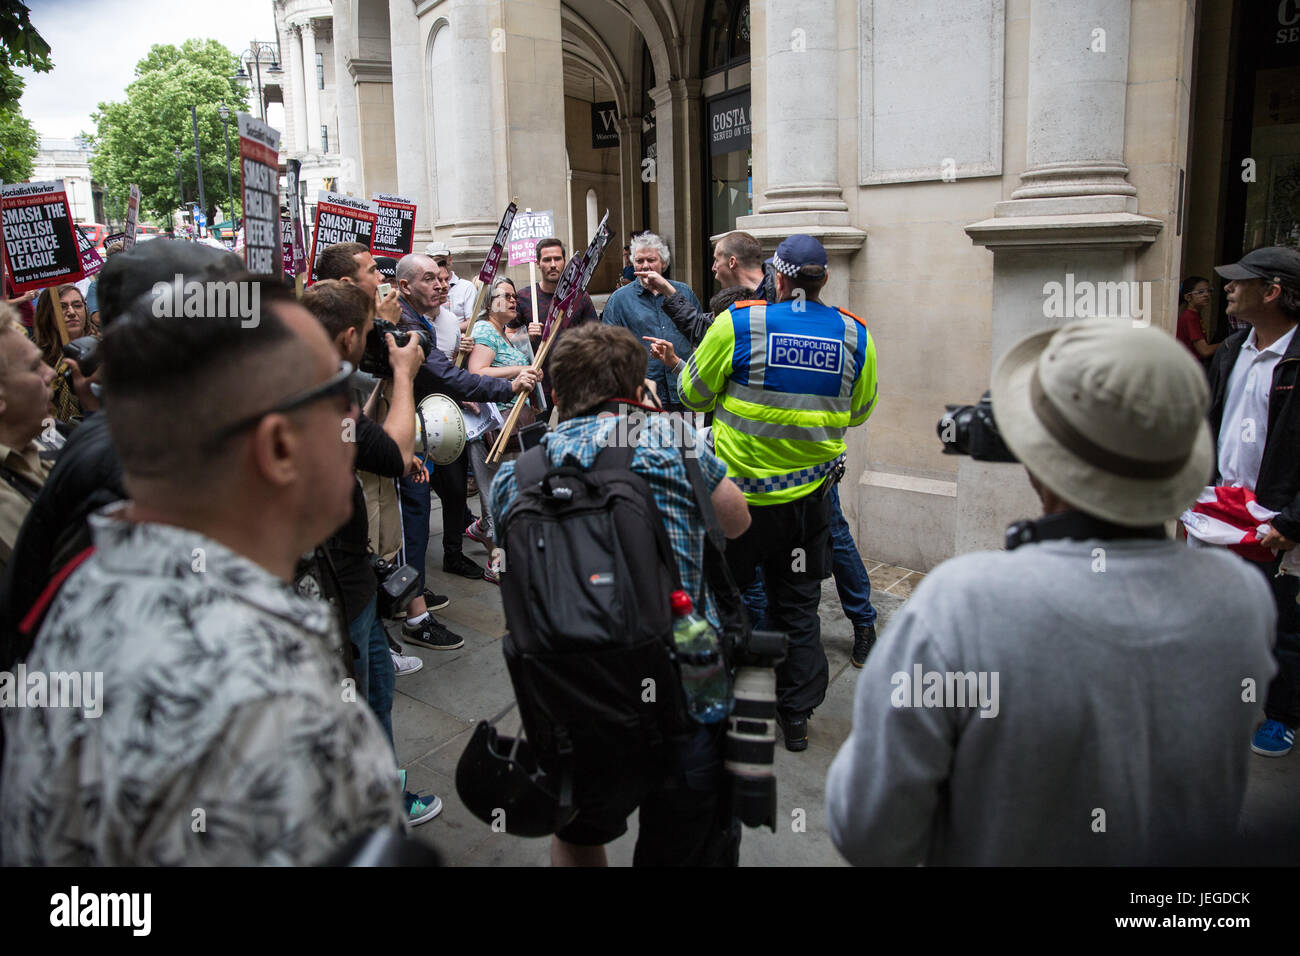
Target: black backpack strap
{"x":619,"y":458}
{"x":531,"y":467}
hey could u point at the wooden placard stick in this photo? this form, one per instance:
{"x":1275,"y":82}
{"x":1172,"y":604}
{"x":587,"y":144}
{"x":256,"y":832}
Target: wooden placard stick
{"x":473,"y":317}
{"x":512,"y":422}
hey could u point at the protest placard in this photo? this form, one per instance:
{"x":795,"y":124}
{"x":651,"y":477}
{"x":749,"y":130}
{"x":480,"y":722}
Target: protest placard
{"x":395,"y":229}
{"x":132,"y":217}
{"x":259,"y":176}
{"x":91,"y":260}
{"x":341,"y":218}
{"x":40,"y":244}
{"x":286,"y":248}
{"x":292,"y":180}
{"x":527,"y":228}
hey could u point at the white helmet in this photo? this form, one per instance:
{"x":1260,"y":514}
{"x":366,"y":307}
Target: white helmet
{"x":439,"y":430}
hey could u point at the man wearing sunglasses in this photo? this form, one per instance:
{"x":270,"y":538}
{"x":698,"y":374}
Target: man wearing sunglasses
{"x":226,"y":734}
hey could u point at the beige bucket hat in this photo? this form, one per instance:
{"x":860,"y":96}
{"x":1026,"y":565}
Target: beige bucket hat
{"x":1109,"y":416}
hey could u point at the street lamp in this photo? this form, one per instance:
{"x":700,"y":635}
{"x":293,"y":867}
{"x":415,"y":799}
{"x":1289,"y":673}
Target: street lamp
{"x":254,"y":53}
{"x":198,"y":160}
{"x":224,"y":112}
{"x":180,"y":182}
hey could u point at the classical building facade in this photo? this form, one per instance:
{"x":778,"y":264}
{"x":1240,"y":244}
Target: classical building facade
{"x":69,"y":160}
{"x":958,"y":159}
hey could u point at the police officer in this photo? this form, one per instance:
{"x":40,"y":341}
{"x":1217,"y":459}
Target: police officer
{"x":785,"y":380}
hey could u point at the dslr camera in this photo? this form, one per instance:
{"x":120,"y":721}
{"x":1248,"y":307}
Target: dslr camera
{"x":85,"y":352}
{"x":973,"y":430}
{"x":374,"y":360}
{"x":398,"y":586}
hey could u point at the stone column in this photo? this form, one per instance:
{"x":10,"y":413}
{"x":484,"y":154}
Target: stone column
{"x":802,"y":110}
{"x":796,"y":143}
{"x":1078,"y":81}
{"x":311,"y":95}
{"x":408,"y":114}
{"x":295,"y":81}
{"x":349,"y":147}
{"x":468,"y":116}
{"x":1073,"y":220}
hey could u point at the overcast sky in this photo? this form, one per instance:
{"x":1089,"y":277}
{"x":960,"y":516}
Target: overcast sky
{"x":95,"y":45}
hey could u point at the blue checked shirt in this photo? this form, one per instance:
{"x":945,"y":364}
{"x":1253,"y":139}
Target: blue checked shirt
{"x":658,"y":460}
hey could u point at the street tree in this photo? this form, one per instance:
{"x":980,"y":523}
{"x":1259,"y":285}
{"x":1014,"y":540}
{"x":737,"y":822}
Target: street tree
{"x":18,"y":140}
{"x":135,"y":140}
{"x":20,"y":45}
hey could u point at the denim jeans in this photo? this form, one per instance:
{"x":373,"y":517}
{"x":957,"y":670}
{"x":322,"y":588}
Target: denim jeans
{"x":416,"y":508}
{"x":1283,"y":701}
{"x":851,"y":580}
{"x":376,"y":676}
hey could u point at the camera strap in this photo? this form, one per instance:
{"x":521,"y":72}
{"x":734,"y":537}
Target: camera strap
{"x":1076,"y":526}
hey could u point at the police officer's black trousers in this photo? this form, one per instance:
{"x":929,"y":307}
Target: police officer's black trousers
{"x":792,"y":544}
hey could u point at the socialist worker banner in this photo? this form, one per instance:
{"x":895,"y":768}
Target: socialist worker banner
{"x":40,"y":244}
{"x":341,"y":218}
{"x":395,"y":229}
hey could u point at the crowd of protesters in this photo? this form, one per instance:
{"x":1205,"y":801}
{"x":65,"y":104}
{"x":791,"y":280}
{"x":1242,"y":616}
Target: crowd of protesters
{"x":205,"y":519}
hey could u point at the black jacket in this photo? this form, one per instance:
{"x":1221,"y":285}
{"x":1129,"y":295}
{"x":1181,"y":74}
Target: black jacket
{"x":1278,"y":485}
{"x":693,"y":323}
{"x":439,"y":375}
{"x":86,"y":477}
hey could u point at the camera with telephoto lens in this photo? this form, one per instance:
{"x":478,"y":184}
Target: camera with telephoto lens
{"x":374,"y":359}
{"x":398,"y":586}
{"x":85,"y":352}
{"x":751,"y":728}
{"x":973,"y":430}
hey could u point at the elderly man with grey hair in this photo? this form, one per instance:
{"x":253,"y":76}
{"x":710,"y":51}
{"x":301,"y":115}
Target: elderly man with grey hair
{"x":638,"y":308}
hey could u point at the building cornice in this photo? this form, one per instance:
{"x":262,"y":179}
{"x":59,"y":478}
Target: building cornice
{"x":370,"y":71}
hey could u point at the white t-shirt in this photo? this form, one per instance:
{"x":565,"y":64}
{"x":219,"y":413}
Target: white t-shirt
{"x":1245,"y":411}
{"x":460,"y":297}
{"x":446,"y":327}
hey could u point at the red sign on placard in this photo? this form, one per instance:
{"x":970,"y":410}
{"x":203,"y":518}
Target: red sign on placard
{"x":41,"y":246}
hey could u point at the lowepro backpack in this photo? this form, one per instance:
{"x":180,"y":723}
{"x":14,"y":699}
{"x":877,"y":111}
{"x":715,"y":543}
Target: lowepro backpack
{"x":588,"y":574}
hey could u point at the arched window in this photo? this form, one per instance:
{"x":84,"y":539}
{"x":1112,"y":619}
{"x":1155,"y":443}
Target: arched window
{"x":726,"y":34}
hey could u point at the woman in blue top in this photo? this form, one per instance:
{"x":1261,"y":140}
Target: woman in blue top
{"x":494,"y":355}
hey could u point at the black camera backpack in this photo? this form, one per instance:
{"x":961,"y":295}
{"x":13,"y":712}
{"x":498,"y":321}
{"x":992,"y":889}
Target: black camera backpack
{"x":587,"y":577}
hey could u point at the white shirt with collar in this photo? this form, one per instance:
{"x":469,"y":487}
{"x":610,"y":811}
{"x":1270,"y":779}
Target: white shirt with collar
{"x":1245,"y":411}
{"x":446,"y":326}
{"x":460,"y":297}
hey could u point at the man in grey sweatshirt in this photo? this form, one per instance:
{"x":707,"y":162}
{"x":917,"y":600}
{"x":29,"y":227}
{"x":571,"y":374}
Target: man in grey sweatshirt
{"x":1081,"y":698}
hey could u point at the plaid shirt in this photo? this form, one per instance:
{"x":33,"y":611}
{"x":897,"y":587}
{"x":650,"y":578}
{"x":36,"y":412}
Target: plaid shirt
{"x":658,"y":460}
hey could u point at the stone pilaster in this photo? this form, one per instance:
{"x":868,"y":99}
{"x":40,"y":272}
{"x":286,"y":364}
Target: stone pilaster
{"x":311,"y":96}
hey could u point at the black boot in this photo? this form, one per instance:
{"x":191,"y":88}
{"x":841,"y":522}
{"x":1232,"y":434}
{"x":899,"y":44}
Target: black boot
{"x":864,"y":639}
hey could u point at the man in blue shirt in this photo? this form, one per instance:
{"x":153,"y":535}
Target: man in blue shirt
{"x":639,"y":309}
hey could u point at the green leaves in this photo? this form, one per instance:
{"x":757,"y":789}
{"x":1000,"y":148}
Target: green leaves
{"x":20,"y":45}
{"x":135,"y":140}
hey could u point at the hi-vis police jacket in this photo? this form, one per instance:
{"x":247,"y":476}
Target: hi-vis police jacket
{"x":787,"y":380}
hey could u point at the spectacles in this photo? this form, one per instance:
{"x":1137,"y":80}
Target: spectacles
{"x":506,"y":295}
{"x":335,"y":385}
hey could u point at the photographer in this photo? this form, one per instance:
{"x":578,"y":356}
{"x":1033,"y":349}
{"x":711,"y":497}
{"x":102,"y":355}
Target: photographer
{"x":1112,"y":658}
{"x":684,"y":815}
{"x":347,"y":314}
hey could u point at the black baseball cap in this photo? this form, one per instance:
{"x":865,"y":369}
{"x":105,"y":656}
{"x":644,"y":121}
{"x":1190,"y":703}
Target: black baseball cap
{"x":1272,"y":264}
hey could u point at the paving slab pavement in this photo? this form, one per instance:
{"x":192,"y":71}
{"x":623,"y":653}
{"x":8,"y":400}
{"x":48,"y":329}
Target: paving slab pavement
{"x":436,"y":709}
